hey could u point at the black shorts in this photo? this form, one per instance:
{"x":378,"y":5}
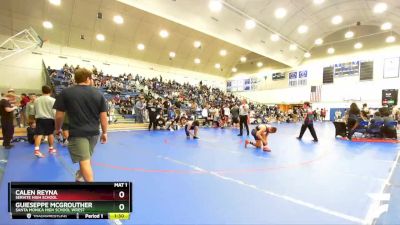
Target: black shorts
{"x":254,"y":133}
{"x":186,"y":130}
{"x":235,"y":119}
{"x":44,"y":126}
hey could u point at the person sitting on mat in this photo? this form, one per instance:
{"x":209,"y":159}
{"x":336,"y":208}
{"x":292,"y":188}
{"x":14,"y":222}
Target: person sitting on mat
{"x":191,"y":125}
{"x":260,"y":134}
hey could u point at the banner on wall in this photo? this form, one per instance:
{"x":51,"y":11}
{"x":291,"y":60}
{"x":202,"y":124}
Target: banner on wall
{"x":391,"y":68}
{"x":298,"y":78}
{"x":302,"y":78}
{"x":347,"y":69}
{"x":293,"y":79}
{"x":247,"y":84}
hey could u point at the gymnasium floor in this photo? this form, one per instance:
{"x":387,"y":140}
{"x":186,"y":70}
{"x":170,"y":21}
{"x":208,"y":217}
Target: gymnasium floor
{"x":215,"y":180}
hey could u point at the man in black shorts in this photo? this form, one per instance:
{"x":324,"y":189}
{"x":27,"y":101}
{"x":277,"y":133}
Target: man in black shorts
{"x":191,"y":125}
{"x":86,"y":109}
{"x":44,"y":115}
{"x":260,"y":134}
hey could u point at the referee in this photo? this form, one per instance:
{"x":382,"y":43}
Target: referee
{"x":86,"y":109}
{"x":244,"y":117}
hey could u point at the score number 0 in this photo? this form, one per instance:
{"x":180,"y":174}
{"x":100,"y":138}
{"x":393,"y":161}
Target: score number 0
{"x":121,"y":196}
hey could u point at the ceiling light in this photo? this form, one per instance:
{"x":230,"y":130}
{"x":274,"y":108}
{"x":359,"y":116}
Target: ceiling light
{"x":118,"y":19}
{"x":223,"y":52}
{"x":380,"y":7}
{"x":47,"y":25}
{"x":319,"y":41}
{"x":197,"y":44}
{"x":307,"y":55}
{"x":317,"y":2}
{"x":197,"y":61}
{"x":280,"y":13}
{"x":275,"y":37}
{"x":215,"y":5}
{"x":391,"y":39}
{"x":141,"y":47}
{"x":337,"y":20}
{"x":386,"y":26}
{"x":349,"y":34}
{"x":292,"y":47}
{"x":234,"y":69}
{"x":302,"y":29}
{"x":243,"y":59}
{"x":259,"y":64}
{"x":100,"y":37}
{"x":217,"y":66}
{"x":55,"y":2}
{"x":164,"y":33}
{"x":331,"y":50}
{"x":250,"y":24}
{"x":172,"y":54}
{"x":358,"y":45}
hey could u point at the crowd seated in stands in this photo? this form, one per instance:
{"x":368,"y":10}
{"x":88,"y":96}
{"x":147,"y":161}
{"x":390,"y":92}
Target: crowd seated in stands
{"x":381,"y":124}
{"x":130,"y":95}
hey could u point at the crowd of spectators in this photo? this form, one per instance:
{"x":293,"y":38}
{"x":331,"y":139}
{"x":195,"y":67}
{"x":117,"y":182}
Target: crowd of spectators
{"x":167,"y":100}
{"x":380,"y":122}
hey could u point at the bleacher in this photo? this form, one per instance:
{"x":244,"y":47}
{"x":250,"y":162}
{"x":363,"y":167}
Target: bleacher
{"x":59,"y":83}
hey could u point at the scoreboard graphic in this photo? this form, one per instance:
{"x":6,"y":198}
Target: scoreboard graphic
{"x":70,"y":200}
{"x":389,"y":97}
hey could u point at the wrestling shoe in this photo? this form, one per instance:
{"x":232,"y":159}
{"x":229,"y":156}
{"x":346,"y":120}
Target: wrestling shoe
{"x":266,"y":149}
{"x":196,"y":137}
{"x":52,"y":150}
{"x":39,"y":154}
{"x":246,"y":142}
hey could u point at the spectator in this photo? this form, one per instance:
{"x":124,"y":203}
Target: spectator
{"x":139,"y":107}
{"x":44,"y":115}
{"x":365,"y":111}
{"x":24,"y":101}
{"x":86,"y":109}
{"x":353,"y":119}
{"x":153,"y":112}
{"x":389,"y":127}
{"x":30,"y":110}
{"x":7,"y":120}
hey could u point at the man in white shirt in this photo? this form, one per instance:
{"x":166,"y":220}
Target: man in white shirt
{"x":243,"y":117}
{"x":45,"y":124}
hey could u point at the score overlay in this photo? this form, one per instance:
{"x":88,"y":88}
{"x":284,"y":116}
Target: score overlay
{"x":70,"y":200}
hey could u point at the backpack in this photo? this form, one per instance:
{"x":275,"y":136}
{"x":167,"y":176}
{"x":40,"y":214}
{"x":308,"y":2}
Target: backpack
{"x":30,"y":133}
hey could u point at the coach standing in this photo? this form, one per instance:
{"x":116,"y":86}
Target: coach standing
{"x":86,"y":109}
{"x":244,"y":117}
{"x":7,"y":120}
{"x":308,"y":122}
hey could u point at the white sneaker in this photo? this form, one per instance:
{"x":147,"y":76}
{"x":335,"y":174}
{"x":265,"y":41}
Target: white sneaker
{"x":79,"y":177}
